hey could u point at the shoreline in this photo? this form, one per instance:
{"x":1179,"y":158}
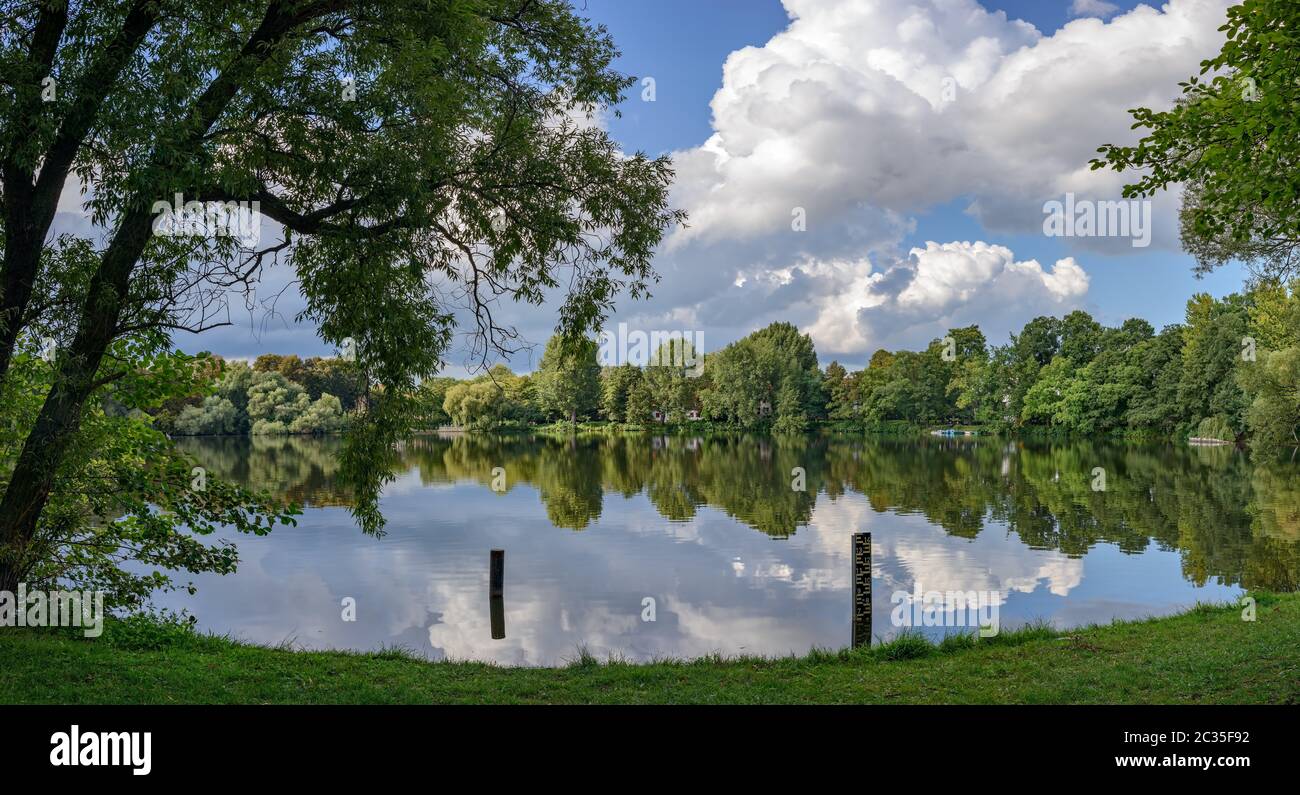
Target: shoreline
{"x":1207,"y":654}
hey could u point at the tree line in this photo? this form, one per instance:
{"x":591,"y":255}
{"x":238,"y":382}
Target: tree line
{"x":1230,"y":371}
{"x":276,"y":395}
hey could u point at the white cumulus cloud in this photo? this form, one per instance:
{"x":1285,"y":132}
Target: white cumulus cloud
{"x":941,"y":286}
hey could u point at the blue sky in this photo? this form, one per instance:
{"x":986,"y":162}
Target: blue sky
{"x":683,"y":44}
{"x":920,"y":139}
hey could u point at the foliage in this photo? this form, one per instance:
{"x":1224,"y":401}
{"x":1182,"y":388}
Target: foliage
{"x":416,"y":162}
{"x":1068,"y":375}
{"x":1274,"y":415}
{"x":1216,"y":428}
{"x":431,"y":397}
{"x":768,"y":377}
{"x":495,"y":398}
{"x":616,"y":387}
{"x":263,"y":400}
{"x":1231,"y":140}
{"x":568,"y":381}
{"x":125,"y":493}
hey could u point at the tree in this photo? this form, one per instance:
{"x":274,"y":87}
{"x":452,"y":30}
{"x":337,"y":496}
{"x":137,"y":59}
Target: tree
{"x":1045,"y":400}
{"x":274,"y":402}
{"x":746,"y":379}
{"x":125,"y":492}
{"x":324,"y":415}
{"x":1081,"y":337}
{"x":1212,"y":351}
{"x":1274,"y":413}
{"x":568,"y":380}
{"x":490,"y":400}
{"x":1275,"y":315}
{"x":616,"y":386}
{"x":1155,"y":403}
{"x":1031,"y":350}
{"x":432,"y":395}
{"x":392,"y":145}
{"x":1231,"y":140}
{"x":639,"y":404}
{"x":472,"y":404}
{"x":839,"y":392}
{"x":217,"y":416}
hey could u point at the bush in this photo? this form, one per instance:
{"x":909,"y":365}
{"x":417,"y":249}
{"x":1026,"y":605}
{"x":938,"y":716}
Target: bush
{"x":1216,"y":428}
{"x":216,"y":416}
{"x":149,"y":631}
{"x":270,"y":428}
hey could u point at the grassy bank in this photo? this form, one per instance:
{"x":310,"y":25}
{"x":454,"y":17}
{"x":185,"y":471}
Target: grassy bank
{"x":1207,"y":655}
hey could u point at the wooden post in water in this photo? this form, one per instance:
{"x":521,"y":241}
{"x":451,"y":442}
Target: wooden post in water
{"x":497,"y":573}
{"x":497,"y":610}
{"x":496,"y":593}
{"x":861,"y":589}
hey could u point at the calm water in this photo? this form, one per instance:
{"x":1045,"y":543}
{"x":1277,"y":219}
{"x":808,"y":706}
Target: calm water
{"x":735,"y":559}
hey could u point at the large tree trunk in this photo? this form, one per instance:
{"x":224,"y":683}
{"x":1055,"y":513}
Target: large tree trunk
{"x":31,"y":194}
{"x":20,"y":265}
{"x":60,"y":418}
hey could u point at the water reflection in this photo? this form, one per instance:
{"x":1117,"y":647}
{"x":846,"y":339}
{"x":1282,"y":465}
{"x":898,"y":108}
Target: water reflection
{"x":736,"y":559}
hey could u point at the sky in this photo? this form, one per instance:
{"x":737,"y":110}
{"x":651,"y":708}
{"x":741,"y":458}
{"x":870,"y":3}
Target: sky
{"x":917,"y":141}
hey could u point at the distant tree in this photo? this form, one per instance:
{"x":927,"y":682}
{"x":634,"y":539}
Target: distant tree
{"x":881,"y":359}
{"x":1155,"y":403}
{"x":272,"y":398}
{"x":568,"y":380}
{"x":431,"y":396}
{"x":334,"y":376}
{"x":838,"y":388}
{"x":747,"y":377}
{"x":1044,"y":401}
{"x":1273,"y":416}
{"x":1275,"y":315}
{"x":791,"y":415}
{"x":490,"y":400}
{"x":1081,"y":337}
{"x":1031,"y":350}
{"x":616,"y":385}
{"x":216,"y":416}
{"x":324,"y":415}
{"x":1212,"y":350}
{"x":639,"y":404}
{"x":269,"y":363}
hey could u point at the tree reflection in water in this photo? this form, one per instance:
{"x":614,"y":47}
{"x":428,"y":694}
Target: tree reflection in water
{"x":1231,"y":521}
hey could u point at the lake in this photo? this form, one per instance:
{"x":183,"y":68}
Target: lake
{"x":712,"y":539}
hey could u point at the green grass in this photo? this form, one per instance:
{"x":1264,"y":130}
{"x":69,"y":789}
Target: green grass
{"x":1206,"y":655}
